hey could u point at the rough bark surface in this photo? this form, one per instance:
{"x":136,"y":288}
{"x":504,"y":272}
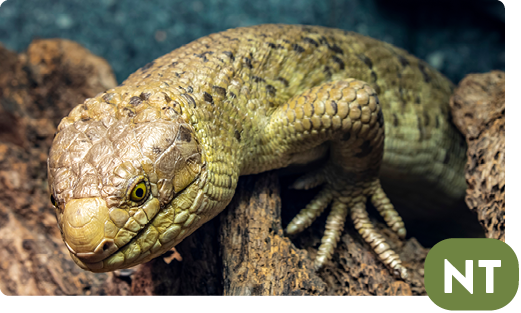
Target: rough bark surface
{"x":36,"y":89}
{"x":478,"y":106}
{"x":259,"y":260}
{"x":244,"y":251}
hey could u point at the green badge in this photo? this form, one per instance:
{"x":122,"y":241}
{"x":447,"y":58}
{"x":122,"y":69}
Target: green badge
{"x":471,"y":274}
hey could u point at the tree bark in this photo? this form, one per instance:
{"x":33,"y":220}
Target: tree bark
{"x":478,"y":105}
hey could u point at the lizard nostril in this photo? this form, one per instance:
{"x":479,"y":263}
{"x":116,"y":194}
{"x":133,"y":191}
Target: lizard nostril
{"x":106,"y":246}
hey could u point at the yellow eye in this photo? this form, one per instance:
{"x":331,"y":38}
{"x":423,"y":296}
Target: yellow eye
{"x":53,"y":201}
{"x":139,"y":192}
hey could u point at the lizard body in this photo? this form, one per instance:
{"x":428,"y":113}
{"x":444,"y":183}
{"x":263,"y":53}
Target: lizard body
{"x":139,"y":167}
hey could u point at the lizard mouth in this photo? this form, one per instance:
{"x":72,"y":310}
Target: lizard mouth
{"x":100,"y":266}
{"x":145,"y":244}
{"x":103,"y":253}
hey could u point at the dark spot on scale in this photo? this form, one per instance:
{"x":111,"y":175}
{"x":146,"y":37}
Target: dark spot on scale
{"x":298,"y":48}
{"x":219,"y":90}
{"x":275,"y":46}
{"x":130,"y":113}
{"x":417,"y":100}
{"x":346,"y":136}
{"x":189,"y":99}
{"x":148,"y":75}
{"x":184,"y":134}
{"x":447,"y":158}
{"x":286,"y":41}
{"x":374,"y":78}
{"x":426,"y":118}
{"x":380,"y":118}
{"x":145,"y":95}
{"x":248,"y":62}
{"x":335,"y":49}
{"x":284,"y":81}
{"x":172,"y":109}
{"x":258,"y":79}
{"x":157,"y":150}
{"x":86,"y":119}
{"x":237,"y":135}
{"x":233,"y":39}
{"x":420,"y":129}
{"x":167,"y":98}
{"x":230,"y":55}
{"x":366,"y":149}
{"x":334,"y":106}
{"x":135,"y":101}
{"x":423,"y":69}
{"x":310,"y":41}
{"x":366,"y":60}
{"x":232,"y":95}
{"x":437,"y":125}
{"x":174,"y":64}
{"x":147,"y":66}
{"x":207,"y":97}
{"x":323,"y":41}
{"x":203,"y":55}
{"x":403,"y":60}
{"x":107,"y":97}
{"x":271,"y":90}
{"x":189,"y":89}
{"x":327,"y":71}
{"x":396,"y":121}
{"x":339,"y":62}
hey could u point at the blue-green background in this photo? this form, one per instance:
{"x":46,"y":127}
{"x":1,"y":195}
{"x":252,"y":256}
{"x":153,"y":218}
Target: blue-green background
{"x":456,"y":36}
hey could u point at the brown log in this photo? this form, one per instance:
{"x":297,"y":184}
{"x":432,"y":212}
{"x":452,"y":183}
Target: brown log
{"x":257,"y":258}
{"x":37,"y":89}
{"x":478,"y":106}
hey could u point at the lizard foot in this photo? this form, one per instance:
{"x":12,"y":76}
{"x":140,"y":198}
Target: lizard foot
{"x":350,"y":200}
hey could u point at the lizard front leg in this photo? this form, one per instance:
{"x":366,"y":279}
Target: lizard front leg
{"x":347,"y":116}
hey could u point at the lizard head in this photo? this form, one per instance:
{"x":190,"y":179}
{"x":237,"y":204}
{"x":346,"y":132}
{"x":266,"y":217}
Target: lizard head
{"x":122,"y":188}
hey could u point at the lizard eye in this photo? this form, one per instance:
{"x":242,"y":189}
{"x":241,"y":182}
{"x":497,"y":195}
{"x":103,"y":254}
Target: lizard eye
{"x":53,"y":201}
{"x":139,"y":192}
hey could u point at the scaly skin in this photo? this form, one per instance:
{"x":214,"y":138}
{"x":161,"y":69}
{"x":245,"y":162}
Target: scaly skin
{"x":245,"y":101}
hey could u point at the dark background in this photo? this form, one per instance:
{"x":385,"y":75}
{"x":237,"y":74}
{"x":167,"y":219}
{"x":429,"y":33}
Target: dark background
{"x":455,"y":36}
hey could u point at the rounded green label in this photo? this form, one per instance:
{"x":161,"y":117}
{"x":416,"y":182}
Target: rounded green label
{"x":471,"y":274}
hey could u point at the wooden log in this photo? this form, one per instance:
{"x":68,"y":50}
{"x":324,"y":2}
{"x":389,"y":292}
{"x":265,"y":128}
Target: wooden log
{"x":478,"y":106}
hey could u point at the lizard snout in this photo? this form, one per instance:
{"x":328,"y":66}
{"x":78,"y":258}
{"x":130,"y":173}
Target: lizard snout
{"x":83,"y":229}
